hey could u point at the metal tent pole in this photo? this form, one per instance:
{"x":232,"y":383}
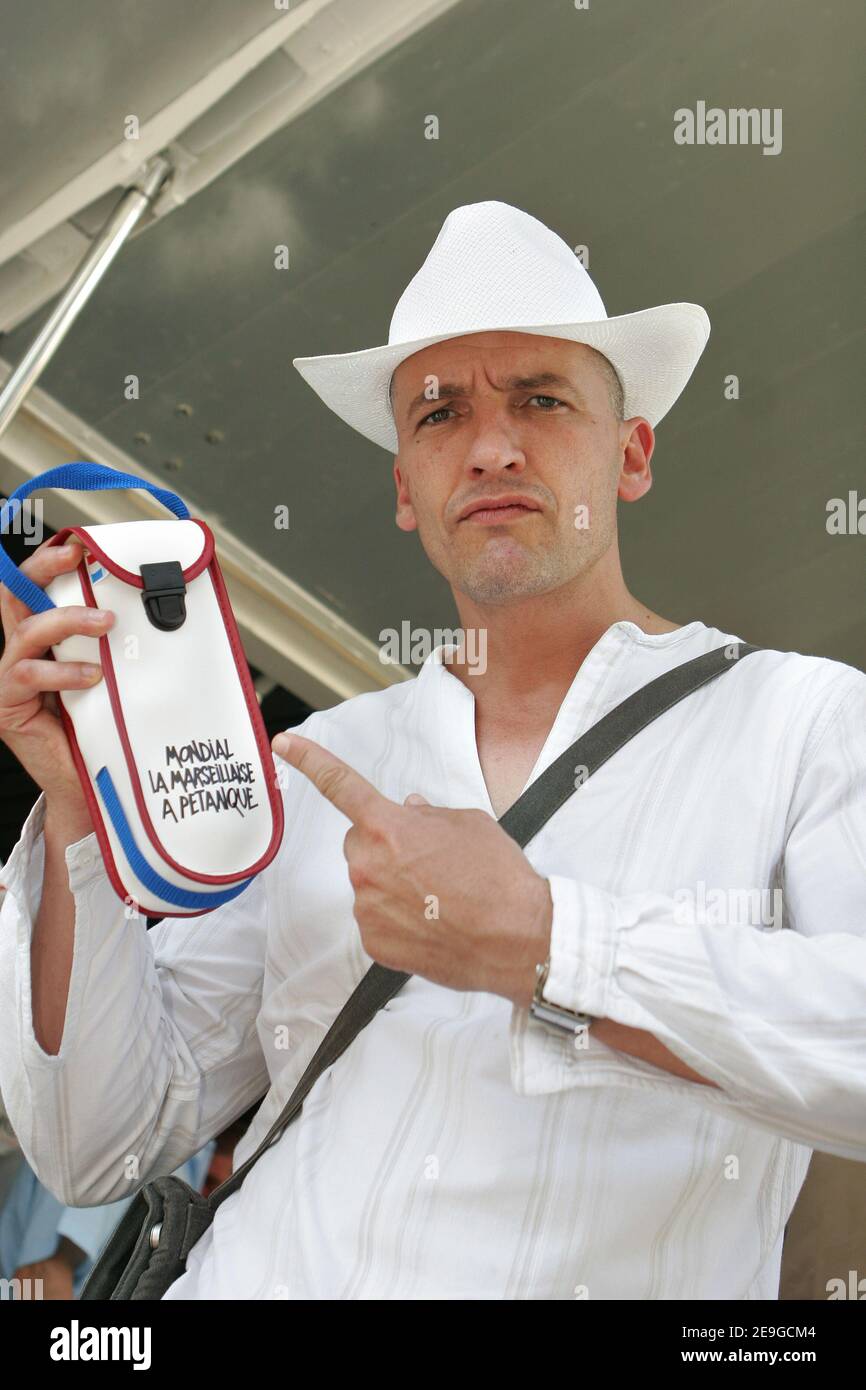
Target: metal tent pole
{"x":133,"y":203}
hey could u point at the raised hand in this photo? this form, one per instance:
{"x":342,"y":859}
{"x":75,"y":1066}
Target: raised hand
{"x":442,"y":893}
{"x":29,"y":722}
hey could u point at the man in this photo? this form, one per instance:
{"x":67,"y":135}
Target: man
{"x":461,"y":1147}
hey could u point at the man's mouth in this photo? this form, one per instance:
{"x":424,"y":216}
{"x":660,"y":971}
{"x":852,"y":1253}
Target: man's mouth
{"x":496,"y":512}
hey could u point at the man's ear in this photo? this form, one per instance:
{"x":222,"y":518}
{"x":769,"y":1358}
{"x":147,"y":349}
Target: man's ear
{"x":405,"y":512}
{"x":637,"y":441}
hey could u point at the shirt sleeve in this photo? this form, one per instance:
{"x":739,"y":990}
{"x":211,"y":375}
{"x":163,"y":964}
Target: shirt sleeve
{"x":159,"y":1050}
{"x":775,"y":1017}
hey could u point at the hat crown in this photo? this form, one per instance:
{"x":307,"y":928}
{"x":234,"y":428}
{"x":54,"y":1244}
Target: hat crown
{"x":494,"y":265}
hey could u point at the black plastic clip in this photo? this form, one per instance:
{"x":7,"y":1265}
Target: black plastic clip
{"x":163,"y":594}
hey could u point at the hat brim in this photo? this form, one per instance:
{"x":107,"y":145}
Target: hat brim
{"x":653,"y":350}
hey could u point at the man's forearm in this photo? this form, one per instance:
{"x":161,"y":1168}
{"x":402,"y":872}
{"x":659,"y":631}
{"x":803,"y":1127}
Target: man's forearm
{"x":53,"y":937}
{"x":645,"y":1046}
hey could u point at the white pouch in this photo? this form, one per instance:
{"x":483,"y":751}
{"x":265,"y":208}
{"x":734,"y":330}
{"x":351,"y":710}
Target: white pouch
{"x":170,"y":746}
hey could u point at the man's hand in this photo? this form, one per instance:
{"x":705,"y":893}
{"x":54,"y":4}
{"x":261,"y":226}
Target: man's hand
{"x":449,"y":895}
{"x":57,"y":1272}
{"x":440,"y":893}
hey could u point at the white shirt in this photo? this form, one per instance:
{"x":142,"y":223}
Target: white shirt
{"x":460,"y":1149}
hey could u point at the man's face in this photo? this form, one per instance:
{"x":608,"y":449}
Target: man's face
{"x":495,"y":423}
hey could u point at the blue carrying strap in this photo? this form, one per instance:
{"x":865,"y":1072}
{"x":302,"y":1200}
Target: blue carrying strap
{"x":79,"y":477}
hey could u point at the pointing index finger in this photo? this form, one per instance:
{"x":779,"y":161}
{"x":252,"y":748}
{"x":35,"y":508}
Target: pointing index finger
{"x":337,"y":781}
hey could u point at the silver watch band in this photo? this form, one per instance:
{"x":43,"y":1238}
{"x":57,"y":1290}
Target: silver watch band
{"x":552,"y":1014}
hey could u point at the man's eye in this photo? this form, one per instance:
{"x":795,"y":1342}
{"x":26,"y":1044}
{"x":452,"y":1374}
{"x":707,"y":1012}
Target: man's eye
{"x":439,"y":411}
{"x":444,"y":409}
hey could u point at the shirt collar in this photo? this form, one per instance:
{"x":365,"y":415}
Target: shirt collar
{"x":445,"y":706}
{"x":624,"y":630}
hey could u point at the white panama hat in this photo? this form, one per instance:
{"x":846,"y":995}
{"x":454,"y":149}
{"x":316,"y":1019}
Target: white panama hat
{"x":495,"y":267}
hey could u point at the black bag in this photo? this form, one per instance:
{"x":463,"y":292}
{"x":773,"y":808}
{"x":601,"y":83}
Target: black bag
{"x":148,"y":1249}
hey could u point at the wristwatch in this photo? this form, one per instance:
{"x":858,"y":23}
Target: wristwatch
{"x":566,"y":1019}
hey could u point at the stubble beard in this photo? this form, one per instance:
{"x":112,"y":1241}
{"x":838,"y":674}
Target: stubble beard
{"x":502,"y":574}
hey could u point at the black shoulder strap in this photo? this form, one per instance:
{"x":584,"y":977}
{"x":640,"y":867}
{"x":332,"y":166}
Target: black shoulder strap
{"x":522,"y":821}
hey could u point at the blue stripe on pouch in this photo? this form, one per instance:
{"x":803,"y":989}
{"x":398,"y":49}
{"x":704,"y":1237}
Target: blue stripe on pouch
{"x":154,"y":882}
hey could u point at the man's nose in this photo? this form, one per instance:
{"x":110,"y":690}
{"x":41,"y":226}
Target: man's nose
{"x":494,"y":445}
